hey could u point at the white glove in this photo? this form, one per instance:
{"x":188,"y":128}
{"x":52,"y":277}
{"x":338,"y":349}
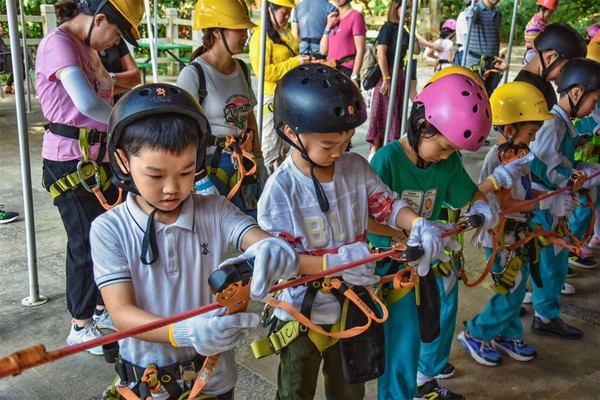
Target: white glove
{"x":507,"y":175}
{"x":595,"y":181}
{"x":274,"y":259}
{"x":490,"y":219}
{"x":560,"y":205}
{"x":213,"y":333}
{"x":428,"y":236}
{"x":490,"y":216}
{"x":362,"y":275}
{"x":450,"y":244}
{"x":205,"y":186}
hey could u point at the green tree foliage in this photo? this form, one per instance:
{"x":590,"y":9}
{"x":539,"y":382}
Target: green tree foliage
{"x":578,"y":13}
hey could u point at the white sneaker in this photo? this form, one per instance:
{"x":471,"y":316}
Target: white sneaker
{"x":568,"y":289}
{"x":528,"y":298}
{"x":103,"y":321}
{"x":86,"y":334}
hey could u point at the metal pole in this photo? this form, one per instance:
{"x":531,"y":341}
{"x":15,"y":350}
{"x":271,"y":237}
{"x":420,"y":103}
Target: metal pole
{"x":25,"y":56}
{"x":261,"y":67}
{"x":513,"y":25}
{"x":395,"y":72}
{"x":153,"y":53}
{"x":469,"y":16}
{"x":34,"y":298}
{"x":410,"y":65}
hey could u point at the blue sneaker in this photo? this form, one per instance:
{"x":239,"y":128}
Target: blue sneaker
{"x":482,"y":351}
{"x":516,"y":349}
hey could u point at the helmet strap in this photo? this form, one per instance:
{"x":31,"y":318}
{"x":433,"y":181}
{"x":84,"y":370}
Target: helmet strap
{"x":222,"y":32}
{"x":149,"y":240}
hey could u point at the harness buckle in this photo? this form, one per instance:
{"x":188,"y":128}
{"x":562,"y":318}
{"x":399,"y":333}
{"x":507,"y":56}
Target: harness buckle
{"x":81,"y":176}
{"x":187,"y":372}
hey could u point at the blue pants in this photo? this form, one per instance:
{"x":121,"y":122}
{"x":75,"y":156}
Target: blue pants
{"x":434,"y":355}
{"x":402,"y":346}
{"x":553,"y":267}
{"x":501,"y":314}
{"x":553,"y":271}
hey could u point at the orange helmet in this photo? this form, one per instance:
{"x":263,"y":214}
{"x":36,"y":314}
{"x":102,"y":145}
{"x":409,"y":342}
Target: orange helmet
{"x":549,"y":4}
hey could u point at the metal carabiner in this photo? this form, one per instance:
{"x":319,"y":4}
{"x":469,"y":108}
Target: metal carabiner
{"x":80,"y":165}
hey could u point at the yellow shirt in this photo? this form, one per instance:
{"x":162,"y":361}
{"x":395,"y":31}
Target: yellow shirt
{"x":279,"y":59}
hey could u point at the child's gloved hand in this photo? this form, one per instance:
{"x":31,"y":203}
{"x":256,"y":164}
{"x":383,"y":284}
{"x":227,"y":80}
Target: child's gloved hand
{"x":506,"y":175}
{"x":595,"y":181}
{"x":428,"y":236}
{"x":450,"y":244}
{"x":560,"y":205}
{"x":212,"y":333}
{"x":490,"y":219}
{"x":274,"y":259}
{"x":362,"y":275}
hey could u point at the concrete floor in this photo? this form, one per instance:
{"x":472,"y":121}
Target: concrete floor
{"x":562,"y":370}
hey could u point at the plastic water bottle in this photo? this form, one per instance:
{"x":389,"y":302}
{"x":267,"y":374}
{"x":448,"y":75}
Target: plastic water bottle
{"x":204,"y":186}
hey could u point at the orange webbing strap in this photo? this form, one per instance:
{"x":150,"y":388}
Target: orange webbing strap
{"x":490,"y":262}
{"x":239,"y":154}
{"x":98,"y":193}
{"x":351,"y":295}
{"x":405,"y":278}
{"x":235,"y":297}
{"x":150,"y":377}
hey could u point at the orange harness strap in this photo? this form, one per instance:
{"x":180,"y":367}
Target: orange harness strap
{"x":349,"y":293}
{"x":239,"y":154}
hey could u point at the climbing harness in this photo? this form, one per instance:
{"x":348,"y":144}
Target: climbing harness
{"x":88,"y":174}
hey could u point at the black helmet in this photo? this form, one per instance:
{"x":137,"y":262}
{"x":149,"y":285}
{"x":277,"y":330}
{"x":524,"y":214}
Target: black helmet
{"x":563,"y":39}
{"x":581,"y":72}
{"x":149,"y":100}
{"x":320,"y":99}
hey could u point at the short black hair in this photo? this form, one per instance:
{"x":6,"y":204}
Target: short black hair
{"x":155,"y":132}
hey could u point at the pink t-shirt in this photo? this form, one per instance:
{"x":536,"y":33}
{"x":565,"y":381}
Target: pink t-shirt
{"x":57,"y":50}
{"x":341,"y":38}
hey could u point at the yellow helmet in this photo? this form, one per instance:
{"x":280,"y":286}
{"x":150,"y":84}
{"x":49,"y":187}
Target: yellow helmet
{"x":227,"y":14}
{"x":457,"y":69}
{"x":518,"y":102}
{"x":593,"y":51}
{"x":127,"y":18}
{"x":284,"y":3}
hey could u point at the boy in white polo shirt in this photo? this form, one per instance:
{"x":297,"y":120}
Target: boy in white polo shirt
{"x":154,"y":253}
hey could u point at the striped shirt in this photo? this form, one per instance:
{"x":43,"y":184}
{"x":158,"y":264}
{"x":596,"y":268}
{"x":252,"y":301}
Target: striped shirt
{"x":532,"y":29}
{"x":485,"y":35}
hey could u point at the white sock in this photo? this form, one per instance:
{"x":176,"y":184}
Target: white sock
{"x":421,"y":378}
{"x":544,"y":319}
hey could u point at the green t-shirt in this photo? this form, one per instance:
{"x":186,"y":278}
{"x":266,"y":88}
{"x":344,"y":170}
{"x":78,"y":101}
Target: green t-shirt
{"x":444,"y":182}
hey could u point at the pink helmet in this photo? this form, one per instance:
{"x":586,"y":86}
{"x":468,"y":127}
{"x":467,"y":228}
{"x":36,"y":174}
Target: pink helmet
{"x":450,"y":24}
{"x":592,"y":30}
{"x":457,"y":107}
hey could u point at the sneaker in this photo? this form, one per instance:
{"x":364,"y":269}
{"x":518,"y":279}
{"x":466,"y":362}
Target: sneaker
{"x":571,"y":272}
{"x":447,"y":372}
{"x":86,"y":334}
{"x":433,"y":390}
{"x":528,"y":299}
{"x":555,"y":327}
{"x":7,"y":216}
{"x":482,"y":351}
{"x":516,"y":349}
{"x":103,"y":321}
{"x":594,"y":242}
{"x":581,"y":261}
{"x":567,"y":289}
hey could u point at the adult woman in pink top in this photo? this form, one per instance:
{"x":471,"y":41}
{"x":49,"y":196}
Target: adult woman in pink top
{"x":344,"y":39}
{"x":75,"y":93}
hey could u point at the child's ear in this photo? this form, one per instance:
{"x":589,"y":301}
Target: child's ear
{"x":122,"y":161}
{"x":575,"y":93}
{"x":509,"y":130}
{"x":549,"y":57}
{"x":289,"y":132}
